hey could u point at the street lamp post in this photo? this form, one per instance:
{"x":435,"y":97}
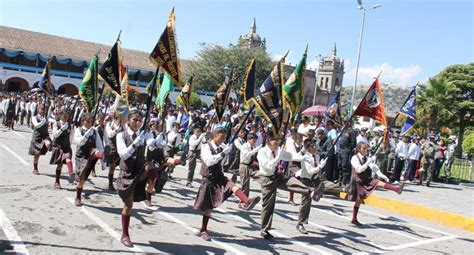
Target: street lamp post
{"x":361,"y":8}
{"x":316,"y":78}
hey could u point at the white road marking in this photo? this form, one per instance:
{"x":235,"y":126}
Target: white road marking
{"x":16,"y":155}
{"x":408,"y":245}
{"x":431,"y":229}
{"x":276,"y":233}
{"x":103,"y":225}
{"x":223,"y":245}
{"x":18,"y":134}
{"x":12,"y":235}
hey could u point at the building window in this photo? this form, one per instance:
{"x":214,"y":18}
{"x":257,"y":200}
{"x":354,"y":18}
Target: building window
{"x":321,"y":83}
{"x":327,"y":81}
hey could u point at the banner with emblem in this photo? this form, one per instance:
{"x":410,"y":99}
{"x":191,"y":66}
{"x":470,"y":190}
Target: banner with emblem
{"x":248,"y":86}
{"x":333,"y":110}
{"x":294,"y":87}
{"x":88,"y":87}
{"x":408,"y":109}
{"x":45,"y":81}
{"x":124,"y":86}
{"x":165,"y":88}
{"x":222,"y":96}
{"x":111,"y":69}
{"x":155,"y":80}
{"x":269,"y":97}
{"x":372,"y":104}
{"x":165,"y":53}
{"x":121,"y":107}
{"x":185,"y":94}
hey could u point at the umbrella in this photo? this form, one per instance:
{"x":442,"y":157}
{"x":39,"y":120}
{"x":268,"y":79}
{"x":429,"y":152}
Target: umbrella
{"x":315,"y":110}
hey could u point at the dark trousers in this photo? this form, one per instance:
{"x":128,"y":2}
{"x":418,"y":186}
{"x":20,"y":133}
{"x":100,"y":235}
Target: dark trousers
{"x":411,"y":169}
{"x":399,"y":163}
{"x":332,"y":171}
{"x":345,"y":168}
{"x":192,"y":164}
{"x":269,"y":190}
{"x":437,"y":168}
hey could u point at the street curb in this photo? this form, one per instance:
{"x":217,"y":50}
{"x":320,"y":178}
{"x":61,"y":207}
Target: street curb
{"x":417,"y":211}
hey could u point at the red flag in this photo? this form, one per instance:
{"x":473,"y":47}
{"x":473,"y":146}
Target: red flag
{"x":372,"y":104}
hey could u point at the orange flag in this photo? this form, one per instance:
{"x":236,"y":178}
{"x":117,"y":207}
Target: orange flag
{"x":372,"y":104}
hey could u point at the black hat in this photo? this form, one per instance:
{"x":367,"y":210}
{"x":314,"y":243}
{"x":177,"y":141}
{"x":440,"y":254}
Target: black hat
{"x":251,"y":136}
{"x":309,"y":142}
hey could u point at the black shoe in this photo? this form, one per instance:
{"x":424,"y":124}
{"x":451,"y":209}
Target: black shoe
{"x":126,"y":241}
{"x":301,"y":229}
{"x":266,"y":235}
{"x":234,"y":178}
{"x":111,"y":187}
{"x":189,"y":185}
{"x":251,"y":203}
{"x":356,"y":222}
{"x":427,"y":183}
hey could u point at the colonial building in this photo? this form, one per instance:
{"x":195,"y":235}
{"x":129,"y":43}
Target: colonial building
{"x":252,"y":39}
{"x":329,"y":78}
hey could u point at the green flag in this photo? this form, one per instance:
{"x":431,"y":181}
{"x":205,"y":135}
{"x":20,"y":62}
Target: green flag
{"x":88,"y":88}
{"x":156,"y":80}
{"x":293,"y":88}
{"x":165,"y":88}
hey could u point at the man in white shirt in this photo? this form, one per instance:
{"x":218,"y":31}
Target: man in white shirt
{"x":195,"y":143}
{"x":271,"y":178}
{"x":248,"y":151}
{"x":170,"y":120}
{"x":401,"y":152}
{"x":305,"y":126}
{"x":362,"y":137}
{"x":414,"y":152}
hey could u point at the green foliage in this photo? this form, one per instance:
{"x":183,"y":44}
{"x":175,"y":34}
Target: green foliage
{"x":468,"y":144}
{"x":434,"y":104}
{"x":209,"y":64}
{"x":195,"y":101}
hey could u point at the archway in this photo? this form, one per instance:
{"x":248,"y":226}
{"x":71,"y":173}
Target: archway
{"x":16,"y":84}
{"x":68,"y":89}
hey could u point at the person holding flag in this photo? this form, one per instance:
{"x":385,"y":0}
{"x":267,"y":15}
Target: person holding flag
{"x":40,"y":141}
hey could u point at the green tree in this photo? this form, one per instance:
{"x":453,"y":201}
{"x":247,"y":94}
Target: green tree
{"x":211,"y":59}
{"x":468,"y":144}
{"x":195,"y":101}
{"x":448,"y":100}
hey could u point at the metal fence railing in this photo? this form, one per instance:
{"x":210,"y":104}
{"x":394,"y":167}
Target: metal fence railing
{"x":461,"y":169}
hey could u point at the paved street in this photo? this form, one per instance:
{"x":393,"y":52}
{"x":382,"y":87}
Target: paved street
{"x":37,"y":219}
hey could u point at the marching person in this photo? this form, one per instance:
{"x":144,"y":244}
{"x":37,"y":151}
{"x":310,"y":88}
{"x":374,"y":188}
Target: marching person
{"x":295,"y":147}
{"x":174,"y":140}
{"x":135,"y":171}
{"x":11,"y":110}
{"x":215,"y":186}
{"x":364,"y":184}
{"x":112,"y":129}
{"x":414,"y":152}
{"x":89,"y":150}
{"x":40,"y":141}
{"x":195,"y":144}
{"x":271,"y":178}
{"x":61,"y":149}
{"x":401,"y":152}
{"x":428,"y":150}
{"x":248,"y":153}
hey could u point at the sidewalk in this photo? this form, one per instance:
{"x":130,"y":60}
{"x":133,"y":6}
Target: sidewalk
{"x":447,"y":204}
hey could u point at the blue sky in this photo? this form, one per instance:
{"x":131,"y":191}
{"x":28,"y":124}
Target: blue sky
{"x":409,"y":40}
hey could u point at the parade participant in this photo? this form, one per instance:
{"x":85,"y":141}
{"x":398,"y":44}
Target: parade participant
{"x":215,"y":186}
{"x":428,"y":150}
{"x":414,"y":152}
{"x":195,"y":144}
{"x":271,"y":178}
{"x":439,"y":158}
{"x":112,"y":129}
{"x":155,"y":158}
{"x":248,"y":153}
{"x":305,"y":126}
{"x":61,"y":152}
{"x":40,"y":141}
{"x":401,"y":152}
{"x":295,"y":149}
{"x":170,"y":119}
{"x":135,"y":171}
{"x":174,"y":140}
{"x":11,"y":110}
{"x":89,"y":151}
{"x":362,"y":137}
{"x":22,"y":111}
{"x":450,"y":155}
{"x":311,"y":165}
{"x":362,"y":168}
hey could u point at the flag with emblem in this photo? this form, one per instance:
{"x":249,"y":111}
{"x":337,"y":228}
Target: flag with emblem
{"x":372,"y":104}
{"x":165,"y":52}
{"x":221,"y":98}
{"x":45,"y":81}
{"x":408,"y":109}
{"x":88,"y":87}
{"x":185,"y":94}
{"x":268,"y":98}
{"x":294,"y":87}
{"x":333,"y":110}
{"x":165,"y":88}
{"x":121,"y":107}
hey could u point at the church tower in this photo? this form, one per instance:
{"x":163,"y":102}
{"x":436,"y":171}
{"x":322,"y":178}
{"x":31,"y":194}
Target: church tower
{"x":252,"y":39}
{"x":329,"y":78}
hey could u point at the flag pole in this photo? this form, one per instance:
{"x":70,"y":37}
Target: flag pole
{"x":148,"y":102}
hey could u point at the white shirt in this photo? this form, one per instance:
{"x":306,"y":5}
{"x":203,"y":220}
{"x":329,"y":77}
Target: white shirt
{"x":414,"y":151}
{"x":359,"y":168}
{"x":239,"y":142}
{"x":246,"y":153}
{"x":195,"y":143}
{"x":37,"y":124}
{"x":309,"y":166}
{"x":361,"y":138}
{"x":402,"y":149}
{"x":268,"y":163}
{"x":58,"y":131}
{"x":206,"y":155}
{"x":169,"y":122}
{"x":80,"y":140}
{"x":123,"y":150}
{"x":302,"y":129}
{"x":172,"y":137}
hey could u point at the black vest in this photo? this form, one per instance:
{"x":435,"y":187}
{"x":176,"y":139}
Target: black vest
{"x":214,"y":170}
{"x":133,"y":164}
{"x":156,"y":155}
{"x":63,"y":139}
{"x":85,"y":150}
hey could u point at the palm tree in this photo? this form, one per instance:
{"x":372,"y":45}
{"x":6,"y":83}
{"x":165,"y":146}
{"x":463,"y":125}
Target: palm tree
{"x":435,"y":104}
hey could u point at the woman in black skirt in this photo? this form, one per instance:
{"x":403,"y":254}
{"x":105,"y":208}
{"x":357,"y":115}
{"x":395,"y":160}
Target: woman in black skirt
{"x":61,"y":152}
{"x":40,"y":141}
{"x":215,"y":186}
{"x":362,"y":167}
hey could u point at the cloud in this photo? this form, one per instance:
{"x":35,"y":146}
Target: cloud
{"x":313,"y":64}
{"x":403,"y":76}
